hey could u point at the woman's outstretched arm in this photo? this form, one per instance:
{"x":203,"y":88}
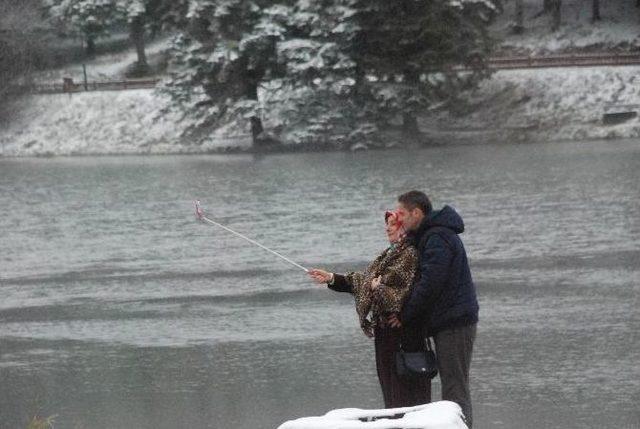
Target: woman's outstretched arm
{"x":336,"y":282}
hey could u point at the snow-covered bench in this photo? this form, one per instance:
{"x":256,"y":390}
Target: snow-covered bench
{"x":437,"y":415}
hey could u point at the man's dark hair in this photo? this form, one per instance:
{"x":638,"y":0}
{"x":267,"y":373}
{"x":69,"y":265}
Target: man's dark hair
{"x":416,"y":199}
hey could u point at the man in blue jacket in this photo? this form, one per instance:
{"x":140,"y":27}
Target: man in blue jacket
{"x":443,"y":299}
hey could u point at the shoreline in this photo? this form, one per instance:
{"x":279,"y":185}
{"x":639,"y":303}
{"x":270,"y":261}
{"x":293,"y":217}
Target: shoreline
{"x":454,"y":142}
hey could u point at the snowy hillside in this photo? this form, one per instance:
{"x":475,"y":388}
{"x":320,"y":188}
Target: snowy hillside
{"x":527,"y":105}
{"x":112,"y":122}
{"x":619,"y":27}
{"x":543,"y":105}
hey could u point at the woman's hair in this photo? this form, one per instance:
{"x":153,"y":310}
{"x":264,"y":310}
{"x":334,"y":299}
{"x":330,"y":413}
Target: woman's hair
{"x":392,"y":216}
{"x":416,"y":199}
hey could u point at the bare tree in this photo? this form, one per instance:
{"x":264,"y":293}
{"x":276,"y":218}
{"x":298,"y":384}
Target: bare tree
{"x":556,"y":6}
{"x":136,"y":34}
{"x":552,"y":7}
{"x":595,"y":8}
{"x":518,"y":25}
{"x":20,"y":40}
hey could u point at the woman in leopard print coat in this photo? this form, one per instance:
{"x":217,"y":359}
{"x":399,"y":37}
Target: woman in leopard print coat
{"x":379,"y":292}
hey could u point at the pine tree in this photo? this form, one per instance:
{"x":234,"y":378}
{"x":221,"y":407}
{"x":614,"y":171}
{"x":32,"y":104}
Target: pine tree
{"x":135,"y":12}
{"x":400,"y":41}
{"x":88,"y":18}
{"x":97,"y":18}
{"x":325,"y":72}
{"x":314,"y":100}
{"x":148,"y":16}
{"x":224,"y":53}
{"x":382,"y":53}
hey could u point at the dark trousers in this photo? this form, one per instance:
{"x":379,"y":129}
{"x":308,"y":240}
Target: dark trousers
{"x":399,"y":392}
{"x":454,"y":347}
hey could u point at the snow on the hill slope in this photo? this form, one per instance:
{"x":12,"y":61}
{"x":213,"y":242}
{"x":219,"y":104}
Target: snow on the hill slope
{"x":111,"y":122}
{"x":540,"y":104}
{"x":547,"y":104}
{"x":618,"y":27}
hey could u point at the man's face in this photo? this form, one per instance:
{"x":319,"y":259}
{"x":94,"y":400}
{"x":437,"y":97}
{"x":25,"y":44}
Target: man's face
{"x":410,"y":218}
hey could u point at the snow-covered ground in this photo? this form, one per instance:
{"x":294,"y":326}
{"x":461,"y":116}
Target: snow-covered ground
{"x":437,"y":415}
{"x":540,"y":104}
{"x":111,"y":122}
{"x":619,"y":27}
{"x":544,"y":105}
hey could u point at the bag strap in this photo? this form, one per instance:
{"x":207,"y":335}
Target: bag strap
{"x":427,"y":342}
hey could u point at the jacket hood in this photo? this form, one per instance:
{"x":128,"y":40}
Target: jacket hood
{"x":446,"y":217}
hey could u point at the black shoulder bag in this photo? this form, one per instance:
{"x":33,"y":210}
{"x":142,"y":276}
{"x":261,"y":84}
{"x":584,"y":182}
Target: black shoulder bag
{"x":420,"y":364}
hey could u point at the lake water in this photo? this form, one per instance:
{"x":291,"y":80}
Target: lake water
{"x":119,"y":310}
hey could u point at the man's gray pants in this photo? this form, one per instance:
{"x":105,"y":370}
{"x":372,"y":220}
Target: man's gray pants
{"x":454,"y":347}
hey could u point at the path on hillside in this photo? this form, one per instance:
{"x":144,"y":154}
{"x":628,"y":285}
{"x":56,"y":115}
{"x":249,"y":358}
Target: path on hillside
{"x":495,"y":63}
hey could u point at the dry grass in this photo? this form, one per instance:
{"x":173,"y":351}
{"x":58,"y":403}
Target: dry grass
{"x":41,"y":423}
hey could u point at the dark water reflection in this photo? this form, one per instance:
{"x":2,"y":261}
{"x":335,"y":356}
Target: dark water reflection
{"x":119,"y":311}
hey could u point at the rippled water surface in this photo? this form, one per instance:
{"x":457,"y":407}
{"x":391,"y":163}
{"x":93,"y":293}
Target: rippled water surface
{"x":119,"y":310}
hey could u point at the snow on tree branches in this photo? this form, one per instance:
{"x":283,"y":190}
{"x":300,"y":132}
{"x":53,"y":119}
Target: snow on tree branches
{"x":324,"y":73}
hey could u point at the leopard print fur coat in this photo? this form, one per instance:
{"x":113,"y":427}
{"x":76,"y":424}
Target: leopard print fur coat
{"x":398,"y":266}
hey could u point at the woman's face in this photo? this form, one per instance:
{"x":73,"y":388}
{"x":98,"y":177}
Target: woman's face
{"x":393,"y":229}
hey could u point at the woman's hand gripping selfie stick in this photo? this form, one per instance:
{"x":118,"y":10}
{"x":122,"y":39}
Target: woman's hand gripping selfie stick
{"x":201,"y":216}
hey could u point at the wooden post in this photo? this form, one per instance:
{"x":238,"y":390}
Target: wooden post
{"x":67,"y":84}
{"x":84,"y":71}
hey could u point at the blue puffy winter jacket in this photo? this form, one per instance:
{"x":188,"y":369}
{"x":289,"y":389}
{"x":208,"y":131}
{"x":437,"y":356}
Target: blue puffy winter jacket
{"x":444,"y":295}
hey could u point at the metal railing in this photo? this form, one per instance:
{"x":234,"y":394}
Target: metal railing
{"x":572,"y":60}
{"x":69,"y":86}
{"x":496,"y":63}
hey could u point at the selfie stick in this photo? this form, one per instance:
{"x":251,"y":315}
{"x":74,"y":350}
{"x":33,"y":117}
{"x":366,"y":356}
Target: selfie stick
{"x":201,"y":216}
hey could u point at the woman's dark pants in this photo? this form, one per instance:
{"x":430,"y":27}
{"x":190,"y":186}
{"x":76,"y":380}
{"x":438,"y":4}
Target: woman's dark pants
{"x":399,"y":392}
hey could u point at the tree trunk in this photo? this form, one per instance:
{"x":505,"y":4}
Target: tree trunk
{"x":359,"y":87}
{"x":595,"y":16}
{"x":547,"y":7}
{"x":518,"y":27}
{"x":256,"y":122}
{"x":557,"y":18}
{"x":137,"y":37}
{"x":410,"y":127}
{"x":257,"y":129}
{"x":91,"y":46}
